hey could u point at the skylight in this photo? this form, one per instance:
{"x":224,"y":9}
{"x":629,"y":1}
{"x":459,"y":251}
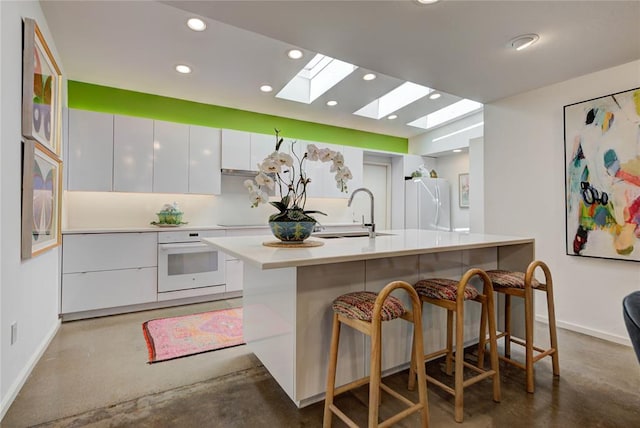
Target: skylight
{"x":316,"y":78}
{"x":401,"y":96}
{"x":446,"y":114}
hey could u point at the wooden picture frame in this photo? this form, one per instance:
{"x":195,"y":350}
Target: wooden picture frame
{"x":463,"y":190}
{"x":41,"y":199}
{"x":602,"y":177}
{"x":41,"y":90}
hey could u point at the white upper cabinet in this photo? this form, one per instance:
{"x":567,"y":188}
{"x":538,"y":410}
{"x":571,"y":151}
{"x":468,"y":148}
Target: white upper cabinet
{"x":132,"y":154}
{"x":204,"y":160}
{"x":170,"y":157}
{"x":262,"y":145}
{"x":236,"y":150}
{"x":90,"y":150}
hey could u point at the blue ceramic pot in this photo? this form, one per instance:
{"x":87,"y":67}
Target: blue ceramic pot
{"x":292,"y":231}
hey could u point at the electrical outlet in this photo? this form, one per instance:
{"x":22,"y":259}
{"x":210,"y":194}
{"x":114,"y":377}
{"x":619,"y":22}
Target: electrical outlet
{"x":14,"y":332}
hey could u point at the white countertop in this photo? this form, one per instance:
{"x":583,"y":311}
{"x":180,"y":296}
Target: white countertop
{"x":151,"y":228}
{"x":401,"y":243}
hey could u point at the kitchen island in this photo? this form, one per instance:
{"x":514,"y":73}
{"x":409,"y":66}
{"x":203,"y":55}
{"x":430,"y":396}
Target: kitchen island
{"x":288,"y":294}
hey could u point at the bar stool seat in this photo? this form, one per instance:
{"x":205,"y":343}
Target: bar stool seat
{"x":365,"y":311}
{"x":359,"y":305}
{"x":522,"y":284}
{"x":451,"y":295}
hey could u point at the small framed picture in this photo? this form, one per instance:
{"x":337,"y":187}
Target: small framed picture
{"x":41,"y":199}
{"x":41,"y":90}
{"x":463,"y":190}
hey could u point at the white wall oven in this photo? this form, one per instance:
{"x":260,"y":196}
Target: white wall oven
{"x":185,"y":263}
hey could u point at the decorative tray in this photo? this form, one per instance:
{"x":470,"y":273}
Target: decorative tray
{"x":154,"y":223}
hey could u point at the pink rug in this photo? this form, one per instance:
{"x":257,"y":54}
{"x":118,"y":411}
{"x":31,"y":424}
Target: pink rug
{"x":169,"y":338}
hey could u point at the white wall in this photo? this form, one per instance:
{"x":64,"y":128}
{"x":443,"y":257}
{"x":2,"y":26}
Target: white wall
{"x":28,"y":290}
{"x":476,"y":185}
{"x":524,"y":184}
{"x":449,"y":167}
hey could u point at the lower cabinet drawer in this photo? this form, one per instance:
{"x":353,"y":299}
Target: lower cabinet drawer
{"x":107,"y":289}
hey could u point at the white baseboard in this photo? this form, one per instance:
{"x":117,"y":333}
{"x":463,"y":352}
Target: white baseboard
{"x":17,"y":385}
{"x":588,"y":331}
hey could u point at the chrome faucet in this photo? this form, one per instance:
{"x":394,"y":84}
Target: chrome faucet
{"x":370,"y":226}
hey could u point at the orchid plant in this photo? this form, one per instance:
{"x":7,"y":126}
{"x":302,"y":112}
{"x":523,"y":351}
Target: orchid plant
{"x":287,"y":173}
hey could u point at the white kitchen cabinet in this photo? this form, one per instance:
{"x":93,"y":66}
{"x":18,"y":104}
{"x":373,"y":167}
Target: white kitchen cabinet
{"x":170,"y":157}
{"x":90,"y":158}
{"x":86,"y":252}
{"x":262,"y":145}
{"x":236,"y":150}
{"x":108,"y":270}
{"x":132,"y":154}
{"x":88,"y":291}
{"x":204,"y":160}
{"x":65,"y":148}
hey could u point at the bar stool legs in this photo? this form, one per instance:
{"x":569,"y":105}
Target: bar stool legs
{"x":523,"y":284}
{"x":365,"y":311}
{"x":451,"y":295}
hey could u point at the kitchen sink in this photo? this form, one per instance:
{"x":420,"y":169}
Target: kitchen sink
{"x":353,"y":234}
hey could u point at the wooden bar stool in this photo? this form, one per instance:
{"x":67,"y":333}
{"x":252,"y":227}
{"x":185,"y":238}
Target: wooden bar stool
{"x":522,"y":284}
{"x":450,"y":294}
{"x":365,"y":311}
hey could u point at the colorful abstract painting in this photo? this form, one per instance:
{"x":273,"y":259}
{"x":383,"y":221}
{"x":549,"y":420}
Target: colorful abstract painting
{"x":40,"y":200}
{"x":602,"y":156}
{"x":41,"y":92}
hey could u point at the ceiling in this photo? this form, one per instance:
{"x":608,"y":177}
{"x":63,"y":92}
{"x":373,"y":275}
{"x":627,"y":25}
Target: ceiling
{"x":457,"y":47}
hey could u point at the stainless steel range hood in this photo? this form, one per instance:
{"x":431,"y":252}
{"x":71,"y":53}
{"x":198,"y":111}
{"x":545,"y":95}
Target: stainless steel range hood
{"x":239,"y":172}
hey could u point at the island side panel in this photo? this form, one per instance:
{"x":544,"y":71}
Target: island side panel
{"x":269,"y":301}
{"x":317,"y":287}
{"x":396,"y":334}
{"x":515,"y":258}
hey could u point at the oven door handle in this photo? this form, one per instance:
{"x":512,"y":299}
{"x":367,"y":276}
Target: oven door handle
{"x":184,"y":246}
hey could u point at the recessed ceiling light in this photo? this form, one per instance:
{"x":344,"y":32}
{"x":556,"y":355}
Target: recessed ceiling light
{"x":369,"y":76}
{"x":435,"y":96}
{"x":184,"y":69}
{"x":457,"y":150}
{"x":196,"y":24}
{"x":427,"y":1}
{"x":392,"y":116}
{"x":524,"y":41}
{"x":266,"y":88}
{"x":332,"y":103}
{"x":294,"y":53}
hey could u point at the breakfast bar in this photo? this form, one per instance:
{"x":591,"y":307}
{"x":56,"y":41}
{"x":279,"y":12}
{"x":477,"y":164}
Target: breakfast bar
{"x":288,"y":294}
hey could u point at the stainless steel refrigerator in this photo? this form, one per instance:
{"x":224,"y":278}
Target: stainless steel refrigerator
{"x":427,"y":204}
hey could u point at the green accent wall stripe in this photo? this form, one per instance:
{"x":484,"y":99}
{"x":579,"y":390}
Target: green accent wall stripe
{"x":87,"y":96}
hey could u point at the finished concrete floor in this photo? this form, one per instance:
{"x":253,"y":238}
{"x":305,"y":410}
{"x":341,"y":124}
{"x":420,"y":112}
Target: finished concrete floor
{"x":95,"y":374}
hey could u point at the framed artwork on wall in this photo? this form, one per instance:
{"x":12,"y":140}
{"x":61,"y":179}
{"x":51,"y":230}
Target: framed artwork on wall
{"x":41,"y":90}
{"x":602,"y":176}
{"x":463,"y":190}
{"x":41,"y":199}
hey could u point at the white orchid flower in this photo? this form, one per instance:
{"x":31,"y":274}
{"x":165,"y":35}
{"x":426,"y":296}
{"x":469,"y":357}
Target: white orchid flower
{"x":250,"y":185}
{"x":325,"y":155}
{"x":285,"y":159}
{"x":270,"y":166}
{"x":258,"y":197}
{"x":313,"y":152}
{"x":264,"y":180}
{"x":344,"y":174}
{"x":338,"y":160}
